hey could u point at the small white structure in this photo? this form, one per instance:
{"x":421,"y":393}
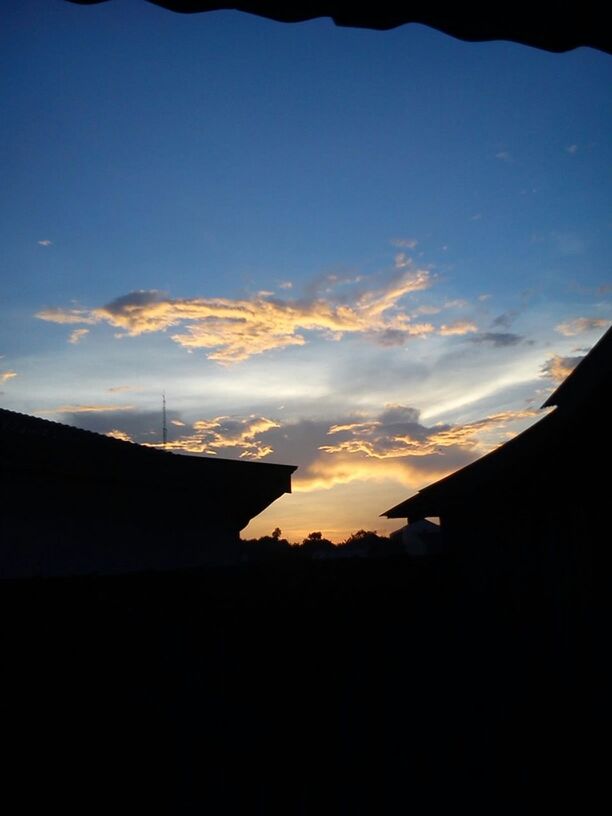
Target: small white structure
{"x":422,"y":537}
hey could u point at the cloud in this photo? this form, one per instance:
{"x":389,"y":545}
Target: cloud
{"x":458,"y":327}
{"x":503,"y":155}
{"x":115,"y":389}
{"x":5,"y":376}
{"x":405,"y":243}
{"x":572,"y":149}
{"x":402,"y":261}
{"x":498,"y":339}
{"x":397,"y":446}
{"x":77,"y":335}
{"x":398,"y":433}
{"x":225,"y":434}
{"x":285,"y":285}
{"x":122,"y":435}
{"x":582,"y":324}
{"x":505,"y":319}
{"x":234,"y":330}
{"x":45,"y":243}
{"x":68,"y":316}
{"x":558,"y":368}
{"x":85,"y":409}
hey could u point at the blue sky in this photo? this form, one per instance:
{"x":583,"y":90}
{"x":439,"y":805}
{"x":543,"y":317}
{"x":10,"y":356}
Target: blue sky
{"x":292,"y":228}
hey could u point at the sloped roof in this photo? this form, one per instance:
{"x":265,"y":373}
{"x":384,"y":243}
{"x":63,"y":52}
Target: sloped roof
{"x":31,"y":443}
{"x":558,"y":28}
{"x":590,"y":375}
{"x":530,"y":454}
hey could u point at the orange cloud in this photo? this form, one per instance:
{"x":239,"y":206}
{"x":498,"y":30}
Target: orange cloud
{"x":122,"y":435}
{"x":327,"y":472}
{"x":458,"y":327}
{"x":399,"y":434}
{"x":228,"y":433}
{"x":558,"y":368}
{"x":582,"y":324}
{"x":234,"y":330}
{"x":85,"y":409}
{"x":5,"y":376}
{"x":77,"y":335}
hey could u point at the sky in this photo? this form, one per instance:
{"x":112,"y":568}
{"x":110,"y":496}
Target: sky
{"x":369,"y":254}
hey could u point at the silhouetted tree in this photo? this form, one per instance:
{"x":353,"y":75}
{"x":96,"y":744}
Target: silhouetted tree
{"x":367,"y":543}
{"x":267,"y":547}
{"x":314,"y":544}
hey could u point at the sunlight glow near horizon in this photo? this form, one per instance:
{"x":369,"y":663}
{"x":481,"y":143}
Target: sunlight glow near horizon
{"x":288,"y":228}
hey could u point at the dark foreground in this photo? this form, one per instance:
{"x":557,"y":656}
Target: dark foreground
{"x":300,"y":687}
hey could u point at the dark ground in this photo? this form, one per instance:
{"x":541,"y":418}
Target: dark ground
{"x":299,"y":687}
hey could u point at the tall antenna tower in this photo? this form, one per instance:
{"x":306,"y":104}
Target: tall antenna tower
{"x":164,"y":426}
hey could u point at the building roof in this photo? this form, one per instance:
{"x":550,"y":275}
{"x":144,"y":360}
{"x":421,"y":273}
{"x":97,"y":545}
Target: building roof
{"x":559,"y":29}
{"x":533,"y":453}
{"x":41,"y":449}
{"x":592,"y":373}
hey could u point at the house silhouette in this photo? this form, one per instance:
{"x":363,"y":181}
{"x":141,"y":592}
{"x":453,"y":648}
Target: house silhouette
{"x":77,"y":502}
{"x":536,"y":507}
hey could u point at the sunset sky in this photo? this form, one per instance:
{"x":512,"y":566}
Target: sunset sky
{"x":368,"y":254}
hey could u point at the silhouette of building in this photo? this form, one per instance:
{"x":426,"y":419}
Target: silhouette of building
{"x":537,"y":506}
{"x":554,"y":29}
{"x":77,"y":502}
{"x":420,"y":538}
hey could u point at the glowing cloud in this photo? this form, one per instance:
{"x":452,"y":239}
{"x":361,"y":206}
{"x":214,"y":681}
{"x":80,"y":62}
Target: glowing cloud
{"x":398,"y":433}
{"x":77,"y":335}
{"x":85,"y":409}
{"x":225,"y":433}
{"x":582,"y":324}
{"x":558,"y":368}
{"x":458,"y":327}
{"x":122,"y":435}
{"x":5,"y":376}
{"x":238,"y":329}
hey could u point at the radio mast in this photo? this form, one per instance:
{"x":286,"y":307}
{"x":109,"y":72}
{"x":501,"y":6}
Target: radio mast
{"x":164,"y":427}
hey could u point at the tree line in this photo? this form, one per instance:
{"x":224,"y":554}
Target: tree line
{"x":361,"y":544}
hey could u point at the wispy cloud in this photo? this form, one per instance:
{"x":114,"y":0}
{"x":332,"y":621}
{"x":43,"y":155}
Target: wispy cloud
{"x":397,"y":446}
{"x":405,"y":243}
{"x":227,"y":434}
{"x":45,"y":243}
{"x":582,"y":324}
{"x":572,"y":149}
{"x":69,"y":316}
{"x":77,"y":335}
{"x":5,"y":376}
{"x":238,"y":329}
{"x":558,"y":368}
{"x":116,"y":389}
{"x":122,"y":435}
{"x":398,"y":433}
{"x":498,"y":339}
{"x":85,"y":409}
{"x":503,"y":155}
{"x":402,"y":261}
{"x":458,"y":327}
